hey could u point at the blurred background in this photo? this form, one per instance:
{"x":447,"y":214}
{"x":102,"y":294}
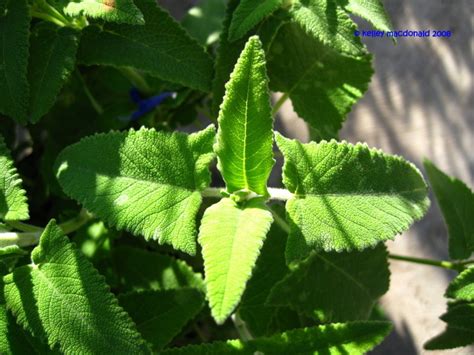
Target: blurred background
{"x":420,"y":104}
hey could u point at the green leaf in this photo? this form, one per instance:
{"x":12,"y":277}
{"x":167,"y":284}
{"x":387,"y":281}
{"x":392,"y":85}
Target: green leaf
{"x":321,"y":83}
{"x":231,"y":237}
{"x":371,"y":10}
{"x":462,"y":287}
{"x":248,"y":14}
{"x":456,"y":201}
{"x":52,"y":59}
{"x":460,"y":328}
{"x":244,"y":138}
{"x":63,"y":298}
{"x":144,"y":181}
{"x":160,"y":315}
{"x":349,"y":338}
{"x":226,"y":57}
{"x":120,"y":11}
{"x":204,"y":21}
{"x":14,"y":33}
{"x":347,"y":197}
{"x":13,"y":204}
{"x":326,"y":22}
{"x":140,"y":269}
{"x":15,"y":340}
{"x":161,"y":48}
{"x":270,"y":269}
{"x":450,"y":338}
{"x":334,"y":287}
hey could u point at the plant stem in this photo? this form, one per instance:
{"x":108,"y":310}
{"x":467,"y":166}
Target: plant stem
{"x":19,"y":239}
{"x":95,"y":104}
{"x":438,"y":263}
{"x":279,"y":103}
{"x":30,"y":234}
{"x":136,"y":79}
{"x":75,"y":223}
{"x":241,"y":327}
{"x":275,"y":193}
{"x":24,"y":227}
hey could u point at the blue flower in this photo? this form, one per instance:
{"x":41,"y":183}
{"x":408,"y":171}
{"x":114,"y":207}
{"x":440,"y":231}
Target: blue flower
{"x":146,"y":105}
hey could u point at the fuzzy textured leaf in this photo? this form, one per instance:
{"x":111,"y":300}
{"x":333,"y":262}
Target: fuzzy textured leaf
{"x":334,"y":287}
{"x":161,"y":48}
{"x":347,"y":197}
{"x":460,"y":328}
{"x":204,"y":21}
{"x":226,"y":57}
{"x":248,"y":14}
{"x":371,"y":10}
{"x":160,"y":315}
{"x":62,"y":298}
{"x":14,"y":34}
{"x":244,"y":138}
{"x":145,"y":181}
{"x":325,"y":21}
{"x":140,"y":269}
{"x":120,"y":11}
{"x":349,"y":338}
{"x":52,"y":59}
{"x":456,"y":201}
{"x":13,"y":204}
{"x":462,"y":287}
{"x":270,"y":269}
{"x":231,"y":237}
{"x":321,"y":83}
{"x":15,"y":340}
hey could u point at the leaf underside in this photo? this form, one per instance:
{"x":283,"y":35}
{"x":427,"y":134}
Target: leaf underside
{"x":321,"y":83}
{"x":146,"y":182}
{"x":334,"y":287}
{"x":13,"y":204}
{"x":231,"y":237}
{"x":349,"y":338}
{"x":456,"y":201}
{"x":14,"y":34}
{"x":244,"y":138}
{"x":161,"y":48}
{"x":347,"y":197}
{"x":63,"y":299}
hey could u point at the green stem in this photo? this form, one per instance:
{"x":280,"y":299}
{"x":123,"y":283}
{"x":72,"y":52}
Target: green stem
{"x":24,"y":227}
{"x":438,"y":263}
{"x":95,"y":104}
{"x":47,"y":17}
{"x":275,"y":193}
{"x":75,"y":223}
{"x":279,"y":103}
{"x":241,"y":327}
{"x":19,"y":239}
{"x":136,"y":79}
{"x":30,"y":234}
{"x":280,"y":221}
